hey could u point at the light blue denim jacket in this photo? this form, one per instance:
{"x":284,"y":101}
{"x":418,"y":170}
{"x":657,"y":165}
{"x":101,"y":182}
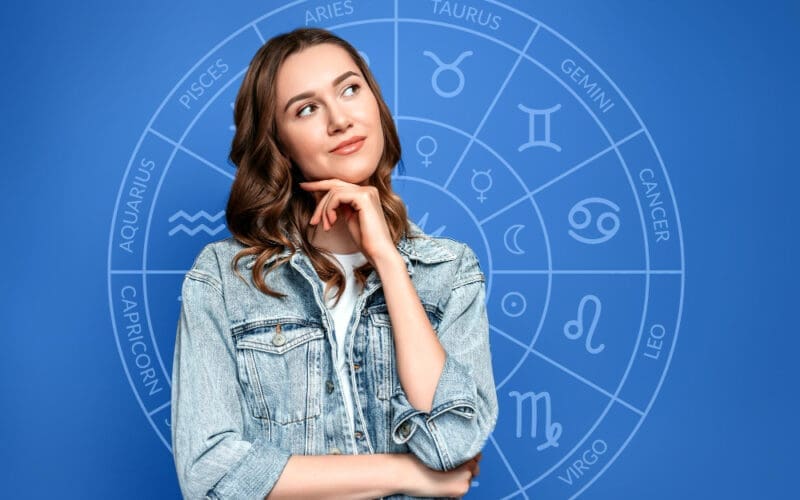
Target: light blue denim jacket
{"x":253,"y":378}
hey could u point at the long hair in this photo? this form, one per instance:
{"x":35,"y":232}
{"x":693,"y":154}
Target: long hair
{"x":266,"y":209}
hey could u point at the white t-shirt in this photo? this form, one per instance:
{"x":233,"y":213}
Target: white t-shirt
{"x":342,"y":313}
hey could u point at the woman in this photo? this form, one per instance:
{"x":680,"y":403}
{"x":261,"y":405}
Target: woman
{"x":308,"y":379}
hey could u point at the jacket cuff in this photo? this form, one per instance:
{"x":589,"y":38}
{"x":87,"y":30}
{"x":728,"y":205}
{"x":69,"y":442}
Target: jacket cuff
{"x":255,"y":474}
{"x":455,"y":394}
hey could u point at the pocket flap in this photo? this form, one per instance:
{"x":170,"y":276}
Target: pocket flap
{"x":276,"y":336}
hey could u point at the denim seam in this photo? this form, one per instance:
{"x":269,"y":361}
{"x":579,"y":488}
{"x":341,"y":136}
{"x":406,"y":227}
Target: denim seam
{"x":252,"y":373}
{"x":408,"y":414}
{"x":441,"y":448}
{"x":445,"y":407}
{"x":283,"y":320}
{"x":469,"y":279}
{"x":202,"y":277}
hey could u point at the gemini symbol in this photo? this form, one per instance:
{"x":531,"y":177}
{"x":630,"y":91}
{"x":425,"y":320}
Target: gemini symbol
{"x":532,"y":140}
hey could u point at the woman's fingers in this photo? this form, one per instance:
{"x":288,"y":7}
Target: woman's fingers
{"x":325,"y":211}
{"x":347,"y":212}
{"x":474,"y":466}
{"x":335,"y":199}
{"x":334,"y":203}
{"x":315,"y":217}
{"x":319,"y":212}
{"x":330,"y":208}
{"x":360,"y":206}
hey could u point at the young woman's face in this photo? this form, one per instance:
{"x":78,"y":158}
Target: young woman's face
{"x":322,"y":101}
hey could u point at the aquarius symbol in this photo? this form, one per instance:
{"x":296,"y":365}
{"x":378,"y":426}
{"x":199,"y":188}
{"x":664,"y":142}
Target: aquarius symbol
{"x":513,"y":304}
{"x":191,"y":231}
{"x":580,"y":208}
{"x":532,"y":114}
{"x":443,"y":67}
{"x":427,"y":155}
{"x":573,"y":329}
{"x":488,"y":178}
{"x":552,"y":429}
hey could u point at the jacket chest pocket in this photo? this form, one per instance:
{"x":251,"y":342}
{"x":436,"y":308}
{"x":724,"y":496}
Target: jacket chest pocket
{"x":279,"y":364}
{"x":382,"y":349}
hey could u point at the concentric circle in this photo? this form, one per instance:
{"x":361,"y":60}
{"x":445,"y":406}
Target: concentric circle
{"x":515,"y":142}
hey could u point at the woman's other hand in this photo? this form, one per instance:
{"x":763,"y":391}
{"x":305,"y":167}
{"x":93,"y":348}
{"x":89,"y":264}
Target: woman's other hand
{"x":424,"y":482}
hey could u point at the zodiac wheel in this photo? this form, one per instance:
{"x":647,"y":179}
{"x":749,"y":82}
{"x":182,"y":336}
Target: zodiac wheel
{"x":515,"y":142}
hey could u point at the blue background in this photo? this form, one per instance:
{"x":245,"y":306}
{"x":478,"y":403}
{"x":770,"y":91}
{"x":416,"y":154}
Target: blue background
{"x":715,"y":83}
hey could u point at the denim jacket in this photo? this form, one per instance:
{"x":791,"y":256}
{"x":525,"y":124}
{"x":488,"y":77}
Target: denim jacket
{"x":254,"y":381}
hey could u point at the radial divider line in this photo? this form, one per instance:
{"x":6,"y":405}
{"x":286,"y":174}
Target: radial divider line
{"x":190,"y":152}
{"x":561,"y":176}
{"x":149,"y":271}
{"x":507,"y":465}
{"x":150,"y":414}
{"x":570,"y":372}
{"x":491,"y":107}
{"x":586,"y":271}
{"x":396,"y":63}
{"x":258,"y":32}
{"x":576,"y":167}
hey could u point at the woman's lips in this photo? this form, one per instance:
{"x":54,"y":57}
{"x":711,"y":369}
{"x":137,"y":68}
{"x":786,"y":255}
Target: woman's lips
{"x":349,"y":148}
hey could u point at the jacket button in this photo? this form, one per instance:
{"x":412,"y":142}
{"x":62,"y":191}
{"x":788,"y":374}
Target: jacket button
{"x":329,"y":386}
{"x":278,"y":339}
{"x":404,"y":429}
{"x":358,"y":434}
{"x":335,"y":451}
{"x":356,"y":366}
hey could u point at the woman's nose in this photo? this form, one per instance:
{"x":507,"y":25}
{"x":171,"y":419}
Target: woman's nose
{"x":338,"y":119}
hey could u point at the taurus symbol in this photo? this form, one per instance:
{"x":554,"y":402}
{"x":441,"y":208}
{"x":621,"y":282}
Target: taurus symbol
{"x":443,"y":67}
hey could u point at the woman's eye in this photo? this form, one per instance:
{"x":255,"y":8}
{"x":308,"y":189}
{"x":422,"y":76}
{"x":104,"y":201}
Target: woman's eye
{"x":300,"y":111}
{"x":311,"y":107}
{"x":354,"y":86}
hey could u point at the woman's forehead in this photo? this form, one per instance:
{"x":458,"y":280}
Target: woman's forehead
{"x":314,"y":68}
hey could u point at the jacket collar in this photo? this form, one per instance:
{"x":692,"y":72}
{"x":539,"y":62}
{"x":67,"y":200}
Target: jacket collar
{"x":425,"y":249}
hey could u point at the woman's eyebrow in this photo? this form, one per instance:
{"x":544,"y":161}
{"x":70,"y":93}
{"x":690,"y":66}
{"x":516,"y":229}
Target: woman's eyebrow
{"x":305,"y":95}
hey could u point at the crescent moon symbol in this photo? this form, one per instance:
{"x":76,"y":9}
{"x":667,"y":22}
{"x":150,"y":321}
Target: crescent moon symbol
{"x":513,"y":245}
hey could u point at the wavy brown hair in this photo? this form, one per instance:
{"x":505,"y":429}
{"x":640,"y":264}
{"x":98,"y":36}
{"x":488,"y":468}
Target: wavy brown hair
{"x":266,"y":209}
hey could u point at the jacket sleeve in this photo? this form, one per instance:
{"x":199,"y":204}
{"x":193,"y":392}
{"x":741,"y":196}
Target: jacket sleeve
{"x":212,"y":458}
{"x":464,"y":409}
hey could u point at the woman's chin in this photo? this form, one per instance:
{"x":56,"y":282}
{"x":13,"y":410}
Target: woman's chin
{"x":361,"y":178}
